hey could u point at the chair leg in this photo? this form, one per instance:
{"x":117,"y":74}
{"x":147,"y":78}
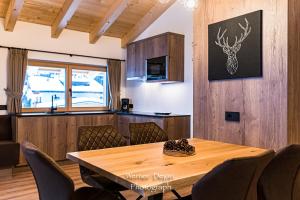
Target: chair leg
{"x":156,"y":197}
{"x":121,"y":197}
{"x":176,"y":194}
{"x":140,"y":197}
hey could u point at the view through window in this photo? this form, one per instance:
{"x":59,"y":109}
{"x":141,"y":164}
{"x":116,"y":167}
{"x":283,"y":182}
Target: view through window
{"x":88,"y":88}
{"x":67,"y":86}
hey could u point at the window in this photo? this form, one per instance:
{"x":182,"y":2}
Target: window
{"x":70,"y":87}
{"x":88,"y":88}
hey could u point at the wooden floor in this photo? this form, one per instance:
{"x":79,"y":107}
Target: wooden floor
{"x":21,"y":186}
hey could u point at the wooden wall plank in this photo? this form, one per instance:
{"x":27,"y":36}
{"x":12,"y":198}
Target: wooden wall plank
{"x":262,"y":102}
{"x":64,"y":17}
{"x":294,"y":72}
{"x":155,"y":12}
{"x":12,"y":14}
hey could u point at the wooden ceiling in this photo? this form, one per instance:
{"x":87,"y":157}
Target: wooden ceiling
{"x":124,"y":19}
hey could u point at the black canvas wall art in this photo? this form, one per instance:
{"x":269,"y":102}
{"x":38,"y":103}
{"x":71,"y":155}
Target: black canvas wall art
{"x":235,"y":47}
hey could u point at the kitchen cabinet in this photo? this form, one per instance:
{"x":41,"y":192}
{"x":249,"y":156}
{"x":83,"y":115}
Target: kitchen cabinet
{"x":157,"y":46}
{"x":34,"y":130}
{"x":140,"y":56}
{"x":176,"y":127}
{"x":56,"y":135}
{"x":167,"y":44}
{"x":130,"y":62}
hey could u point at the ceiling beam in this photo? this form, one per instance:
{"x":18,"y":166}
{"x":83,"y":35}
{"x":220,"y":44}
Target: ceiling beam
{"x":12,"y":14}
{"x":64,"y":16}
{"x":155,"y":12}
{"x":110,"y":17}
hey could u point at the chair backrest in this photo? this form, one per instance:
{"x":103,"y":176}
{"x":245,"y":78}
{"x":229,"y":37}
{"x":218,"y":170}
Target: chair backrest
{"x":99,"y":137}
{"x":235,"y":179}
{"x":52,"y":182}
{"x":148,"y":132}
{"x":5,"y":127}
{"x":281,"y":178}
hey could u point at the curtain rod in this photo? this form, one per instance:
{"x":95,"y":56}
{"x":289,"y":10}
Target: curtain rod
{"x":68,"y":54}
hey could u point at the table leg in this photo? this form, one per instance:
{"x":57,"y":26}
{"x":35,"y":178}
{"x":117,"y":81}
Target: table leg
{"x":156,"y":197}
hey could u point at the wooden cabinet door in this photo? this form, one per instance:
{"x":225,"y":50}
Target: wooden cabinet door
{"x":95,"y":120}
{"x":140,"y":59}
{"x":71,"y":134}
{"x":57,"y":137}
{"x":124,"y":120}
{"x":130,"y":63}
{"x":157,"y":46}
{"x":33,"y":130}
{"x":178,"y":127}
{"x":176,"y":58}
{"x":98,"y":120}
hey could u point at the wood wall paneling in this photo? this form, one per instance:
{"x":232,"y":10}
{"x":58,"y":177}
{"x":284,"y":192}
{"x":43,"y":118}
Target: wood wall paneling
{"x":262,"y":102}
{"x":294,"y":72}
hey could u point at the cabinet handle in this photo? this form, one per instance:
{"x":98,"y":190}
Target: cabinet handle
{"x":70,"y":91}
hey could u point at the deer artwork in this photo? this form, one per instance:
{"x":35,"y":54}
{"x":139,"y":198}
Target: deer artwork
{"x":231,"y":51}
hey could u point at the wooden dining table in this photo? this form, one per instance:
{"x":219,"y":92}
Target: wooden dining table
{"x":147,"y":171}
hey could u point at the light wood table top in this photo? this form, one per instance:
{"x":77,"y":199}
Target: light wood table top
{"x":146,"y":170}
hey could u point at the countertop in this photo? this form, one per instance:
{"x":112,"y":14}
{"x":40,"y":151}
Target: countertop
{"x":150,"y":114}
{"x":135,"y":113}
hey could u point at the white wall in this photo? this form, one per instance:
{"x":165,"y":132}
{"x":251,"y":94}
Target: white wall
{"x":33,"y":36}
{"x":176,"y":97}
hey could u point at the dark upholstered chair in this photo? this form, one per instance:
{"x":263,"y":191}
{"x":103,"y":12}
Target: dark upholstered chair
{"x":9,"y":149}
{"x":144,"y":133}
{"x":99,"y":137}
{"x":281,"y":178}
{"x":53,"y":183}
{"x":235,"y":179}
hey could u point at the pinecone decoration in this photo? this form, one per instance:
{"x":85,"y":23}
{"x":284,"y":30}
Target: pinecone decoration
{"x":181,"y":146}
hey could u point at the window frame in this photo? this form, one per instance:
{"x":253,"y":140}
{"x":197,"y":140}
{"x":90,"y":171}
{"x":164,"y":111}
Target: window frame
{"x":68,"y":86}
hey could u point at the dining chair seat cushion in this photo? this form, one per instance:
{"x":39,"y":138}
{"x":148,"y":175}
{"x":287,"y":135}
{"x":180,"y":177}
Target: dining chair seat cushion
{"x":144,"y":133}
{"x":89,"y":193}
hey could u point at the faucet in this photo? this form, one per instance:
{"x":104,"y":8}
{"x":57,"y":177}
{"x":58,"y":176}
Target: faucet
{"x":52,"y":109}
